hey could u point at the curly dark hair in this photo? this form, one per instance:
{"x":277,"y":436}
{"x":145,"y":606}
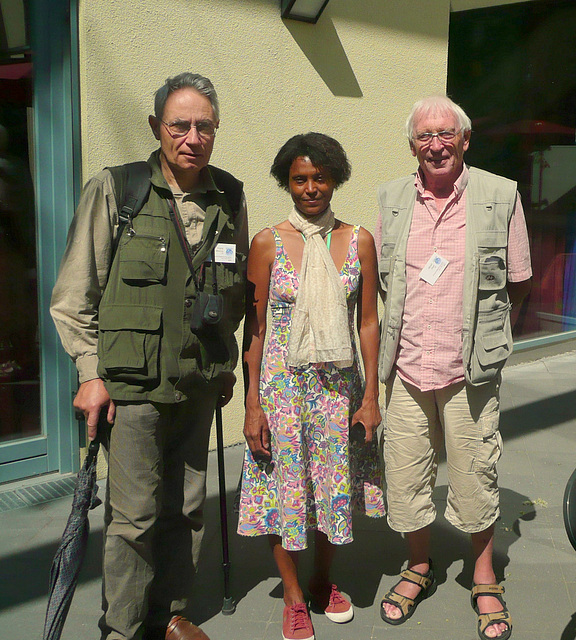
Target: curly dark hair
{"x":324,"y":152}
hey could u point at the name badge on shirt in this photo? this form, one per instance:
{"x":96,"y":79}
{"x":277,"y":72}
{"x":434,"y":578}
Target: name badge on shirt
{"x":224,"y":252}
{"x":434,"y":268}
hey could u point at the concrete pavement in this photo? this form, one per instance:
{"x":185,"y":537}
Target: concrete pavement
{"x":533,"y":556}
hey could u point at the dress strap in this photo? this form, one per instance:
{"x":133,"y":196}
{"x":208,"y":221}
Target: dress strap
{"x":278,"y":241}
{"x":352,"y":256}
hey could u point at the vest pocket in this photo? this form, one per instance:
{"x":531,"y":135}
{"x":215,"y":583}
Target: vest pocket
{"x":387,"y":246}
{"x":492,"y":345}
{"x":492,"y":259}
{"x":492,"y":273}
{"x":129,"y":343}
{"x":228,"y":273}
{"x":142,"y":257}
{"x":386,"y":260}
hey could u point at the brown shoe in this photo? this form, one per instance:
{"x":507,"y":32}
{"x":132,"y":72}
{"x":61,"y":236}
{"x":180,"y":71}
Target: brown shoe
{"x":182,"y":629}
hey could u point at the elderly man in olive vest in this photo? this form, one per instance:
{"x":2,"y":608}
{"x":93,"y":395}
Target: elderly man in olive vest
{"x":147,"y":307}
{"x":453,"y":259}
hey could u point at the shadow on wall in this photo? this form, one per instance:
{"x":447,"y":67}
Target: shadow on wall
{"x":322,"y":46}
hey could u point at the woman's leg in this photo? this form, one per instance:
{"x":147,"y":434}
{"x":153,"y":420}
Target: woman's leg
{"x":287,"y":563}
{"x":323,"y":556}
{"x":324,"y":593}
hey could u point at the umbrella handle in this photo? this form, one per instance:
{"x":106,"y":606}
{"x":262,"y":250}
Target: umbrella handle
{"x":93,"y":448}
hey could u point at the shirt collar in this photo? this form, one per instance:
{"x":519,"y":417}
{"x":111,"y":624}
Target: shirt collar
{"x":459,"y":185}
{"x":205,"y":180}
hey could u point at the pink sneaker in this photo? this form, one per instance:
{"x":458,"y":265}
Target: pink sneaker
{"x":335,"y":606}
{"x":297,"y":624}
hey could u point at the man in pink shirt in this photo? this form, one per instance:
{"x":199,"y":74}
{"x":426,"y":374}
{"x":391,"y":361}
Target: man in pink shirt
{"x":453,"y":260}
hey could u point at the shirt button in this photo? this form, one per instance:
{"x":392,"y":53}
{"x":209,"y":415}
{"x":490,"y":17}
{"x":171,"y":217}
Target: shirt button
{"x":431,"y":301}
{"x":177,"y":396}
{"x":188,"y":302}
{"x":429,"y":326}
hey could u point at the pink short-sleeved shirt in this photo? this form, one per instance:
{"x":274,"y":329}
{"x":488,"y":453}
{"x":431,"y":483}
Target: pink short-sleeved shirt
{"x":430,"y":349}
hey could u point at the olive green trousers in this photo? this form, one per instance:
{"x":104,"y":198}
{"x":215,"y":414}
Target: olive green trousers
{"x":157,"y":458}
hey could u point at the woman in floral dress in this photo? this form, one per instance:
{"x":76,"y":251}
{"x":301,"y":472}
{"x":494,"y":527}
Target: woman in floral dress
{"x":301,"y":470}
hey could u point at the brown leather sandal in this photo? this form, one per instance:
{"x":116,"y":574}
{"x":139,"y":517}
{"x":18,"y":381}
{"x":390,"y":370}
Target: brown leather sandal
{"x":426,"y":582}
{"x":487,"y":619}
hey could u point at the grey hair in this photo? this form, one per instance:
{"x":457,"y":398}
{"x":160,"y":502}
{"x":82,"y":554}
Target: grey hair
{"x":186,"y":81}
{"x":435,"y":105}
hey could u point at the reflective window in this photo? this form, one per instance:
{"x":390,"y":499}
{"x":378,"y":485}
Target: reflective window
{"x":19,"y":349}
{"x":513,"y":70}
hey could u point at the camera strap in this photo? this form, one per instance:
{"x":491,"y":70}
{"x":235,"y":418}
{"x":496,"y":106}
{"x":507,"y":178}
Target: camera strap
{"x":187,"y":254}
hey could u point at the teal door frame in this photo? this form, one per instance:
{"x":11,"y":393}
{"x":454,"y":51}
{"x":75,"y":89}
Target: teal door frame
{"x":54,"y":42}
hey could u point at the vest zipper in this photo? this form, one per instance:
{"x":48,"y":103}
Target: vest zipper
{"x":160,"y":239}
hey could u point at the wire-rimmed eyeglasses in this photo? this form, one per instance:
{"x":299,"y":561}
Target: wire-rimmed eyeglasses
{"x":204,"y":128}
{"x":426,"y":137}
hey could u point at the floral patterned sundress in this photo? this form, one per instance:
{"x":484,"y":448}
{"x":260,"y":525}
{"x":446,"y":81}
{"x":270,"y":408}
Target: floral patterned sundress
{"x":318,"y":476}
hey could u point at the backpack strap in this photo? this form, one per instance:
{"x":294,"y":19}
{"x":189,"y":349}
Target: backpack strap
{"x":131,"y":189}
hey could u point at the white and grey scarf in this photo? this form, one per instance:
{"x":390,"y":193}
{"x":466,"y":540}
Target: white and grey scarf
{"x":319,"y":331}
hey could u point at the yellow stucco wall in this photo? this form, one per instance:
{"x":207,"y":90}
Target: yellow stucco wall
{"x":354,"y":76}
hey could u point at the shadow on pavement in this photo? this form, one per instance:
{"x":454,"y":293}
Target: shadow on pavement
{"x":538,"y":415}
{"x":377,"y":553}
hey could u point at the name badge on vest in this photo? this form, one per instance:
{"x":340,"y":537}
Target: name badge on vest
{"x":434,"y":268}
{"x":225,"y":252}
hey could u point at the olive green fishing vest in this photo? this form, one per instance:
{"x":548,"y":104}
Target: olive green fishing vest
{"x":146,"y":349}
{"x":486,"y":329}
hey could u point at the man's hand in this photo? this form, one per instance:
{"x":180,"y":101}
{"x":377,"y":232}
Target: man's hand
{"x":91,"y":398}
{"x":369,"y":416}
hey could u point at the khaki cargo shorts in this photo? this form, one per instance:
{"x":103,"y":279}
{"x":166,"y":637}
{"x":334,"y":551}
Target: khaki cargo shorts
{"x":417,"y":424}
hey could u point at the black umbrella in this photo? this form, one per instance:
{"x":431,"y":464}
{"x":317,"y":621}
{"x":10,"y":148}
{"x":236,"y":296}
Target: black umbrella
{"x":70,"y":555}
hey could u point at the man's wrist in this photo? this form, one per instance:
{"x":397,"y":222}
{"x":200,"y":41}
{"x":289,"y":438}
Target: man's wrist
{"x":87,"y":367}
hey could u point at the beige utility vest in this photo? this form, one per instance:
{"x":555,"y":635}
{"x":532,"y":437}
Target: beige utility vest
{"x":486,"y":329}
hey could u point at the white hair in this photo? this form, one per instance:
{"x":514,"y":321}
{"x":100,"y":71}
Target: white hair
{"x":435,"y":105}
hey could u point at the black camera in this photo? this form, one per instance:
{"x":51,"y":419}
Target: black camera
{"x":206,"y":312}
{"x":357,"y":433}
{"x":264,"y":463}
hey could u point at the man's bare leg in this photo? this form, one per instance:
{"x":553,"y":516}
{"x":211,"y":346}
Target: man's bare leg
{"x":418,"y":560}
{"x":483,"y":548}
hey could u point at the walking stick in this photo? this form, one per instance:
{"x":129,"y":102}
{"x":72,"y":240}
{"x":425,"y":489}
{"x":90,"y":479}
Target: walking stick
{"x":228,"y":606}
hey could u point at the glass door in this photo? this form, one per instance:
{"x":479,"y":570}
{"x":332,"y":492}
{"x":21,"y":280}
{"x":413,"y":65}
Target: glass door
{"x":19,"y":346}
{"x":38,"y":433}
